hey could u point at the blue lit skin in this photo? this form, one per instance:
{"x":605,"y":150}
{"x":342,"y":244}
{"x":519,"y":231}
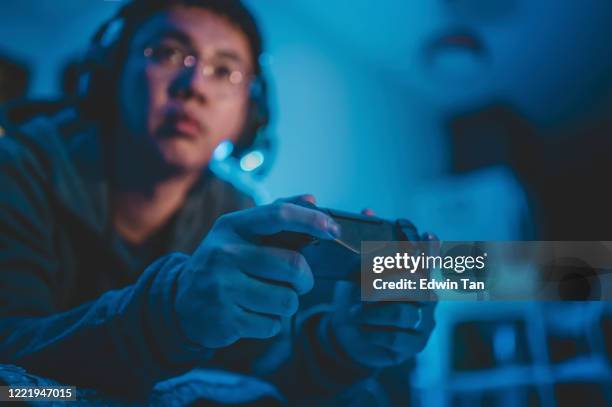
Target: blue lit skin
{"x":231,"y":287}
{"x":385,"y":333}
{"x":150,"y":100}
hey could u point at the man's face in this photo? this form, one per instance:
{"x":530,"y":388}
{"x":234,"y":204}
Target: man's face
{"x":184,"y":86}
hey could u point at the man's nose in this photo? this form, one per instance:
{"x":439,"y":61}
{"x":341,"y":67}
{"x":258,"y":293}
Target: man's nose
{"x":191,"y":84}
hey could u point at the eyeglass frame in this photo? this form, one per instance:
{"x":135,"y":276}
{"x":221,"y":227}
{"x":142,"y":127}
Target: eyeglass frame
{"x":192,"y":60}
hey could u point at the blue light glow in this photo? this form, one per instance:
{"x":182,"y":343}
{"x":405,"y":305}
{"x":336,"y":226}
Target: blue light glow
{"x":223,"y":150}
{"x":252,"y":161}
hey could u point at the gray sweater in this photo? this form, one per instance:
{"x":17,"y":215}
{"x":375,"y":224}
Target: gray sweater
{"x":81,"y":307}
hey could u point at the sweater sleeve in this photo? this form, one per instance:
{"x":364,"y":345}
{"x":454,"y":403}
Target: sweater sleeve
{"x":121,"y":343}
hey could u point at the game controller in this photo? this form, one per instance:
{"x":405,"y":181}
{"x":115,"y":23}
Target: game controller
{"x":340,"y":259}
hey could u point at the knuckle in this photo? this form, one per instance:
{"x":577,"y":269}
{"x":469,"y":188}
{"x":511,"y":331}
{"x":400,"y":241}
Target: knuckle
{"x":217,"y":288}
{"x":298,"y":268}
{"x":287,"y":302}
{"x":233,"y":329}
{"x":229,"y":251}
{"x":215,"y":285}
{"x":216,"y":257}
{"x":319,"y":220}
{"x":230,"y":329}
{"x":239,"y":325}
{"x":306,"y":280}
{"x":273,"y":328}
{"x":224,"y":255}
{"x":283,"y":212}
{"x":291,"y":303}
{"x":223,"y":220}
{"x":239,"y":330}
{"x":263,"y":329}
{"x":295,"y":261}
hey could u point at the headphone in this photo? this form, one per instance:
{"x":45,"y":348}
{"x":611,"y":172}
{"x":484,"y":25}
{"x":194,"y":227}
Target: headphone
{"x":98,"y":72}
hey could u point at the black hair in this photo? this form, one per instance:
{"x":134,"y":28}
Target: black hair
{"x":109,"y":49}
{"x":138,"y":11}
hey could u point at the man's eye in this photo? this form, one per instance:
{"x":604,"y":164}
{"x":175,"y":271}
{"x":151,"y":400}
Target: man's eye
{"x":168,"y":54}
{"x":222,"y":72}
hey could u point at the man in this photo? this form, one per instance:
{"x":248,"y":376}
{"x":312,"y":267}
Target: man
{"x":94,"y":198}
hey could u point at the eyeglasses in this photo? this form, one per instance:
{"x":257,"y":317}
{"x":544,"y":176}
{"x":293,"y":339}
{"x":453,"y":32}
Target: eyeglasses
{"x":224,"y":79}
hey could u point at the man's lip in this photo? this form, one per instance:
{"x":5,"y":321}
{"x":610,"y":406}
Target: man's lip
{"x":186,"y":127}
{"x":184,"y":123}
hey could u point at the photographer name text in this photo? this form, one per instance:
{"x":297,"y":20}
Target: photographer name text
{"x":404,"y":262}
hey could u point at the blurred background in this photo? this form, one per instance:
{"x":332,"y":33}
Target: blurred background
{"x":476,"y":119}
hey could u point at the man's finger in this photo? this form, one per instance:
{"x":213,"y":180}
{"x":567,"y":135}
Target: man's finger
{"x":264,"y":298}
{"x":368,"y":212}
{"x":281,"y":265}
{"x":298,"y":198}
{"x":283,"y":217}
{"x":254,"y":325}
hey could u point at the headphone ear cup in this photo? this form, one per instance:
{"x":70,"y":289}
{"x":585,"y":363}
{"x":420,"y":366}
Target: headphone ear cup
{"x":95,"y":90}
{"x":95,"y":70}
{"x":258,"y":117}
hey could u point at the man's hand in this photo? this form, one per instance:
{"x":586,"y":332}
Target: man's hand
{"x":380,"y":334}
{"x":234,"y":288}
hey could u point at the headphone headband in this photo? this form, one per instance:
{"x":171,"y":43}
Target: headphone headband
{"x":100,"y":63}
